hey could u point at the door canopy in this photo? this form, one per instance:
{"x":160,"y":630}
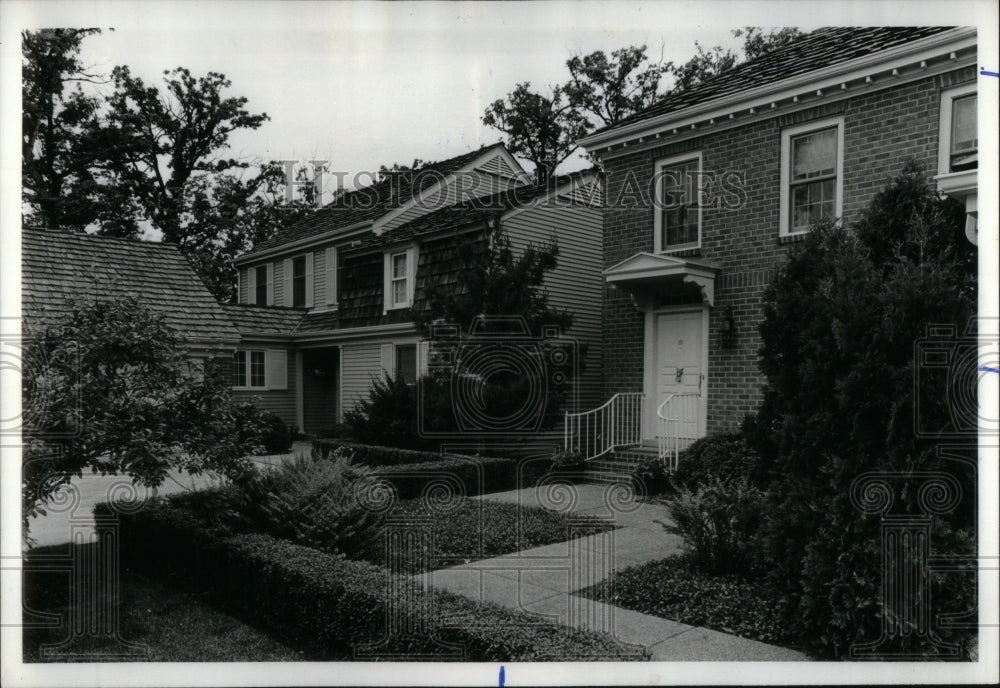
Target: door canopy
{"x":644,"y":273}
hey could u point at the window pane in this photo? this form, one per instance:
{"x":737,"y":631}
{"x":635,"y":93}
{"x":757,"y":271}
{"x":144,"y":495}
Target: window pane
{"x":299,"y":281}
{"x":406,"y":363}
{"x":398,"y":292}
{"x":812,"y":203}
{"x":239,"y":369}
{"x":814,"y":155}
{"x":261,"y":295}
{"x":257,"y":368}
{"x":680,"y":211}
{"x":963,"y":125}
{"x":399,"y":265}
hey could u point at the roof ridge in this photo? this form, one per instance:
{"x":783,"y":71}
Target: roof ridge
{"x":88,"y":236}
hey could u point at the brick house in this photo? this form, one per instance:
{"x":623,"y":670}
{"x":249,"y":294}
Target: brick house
{"x":706,"y":189}
{"x":328,"y":305}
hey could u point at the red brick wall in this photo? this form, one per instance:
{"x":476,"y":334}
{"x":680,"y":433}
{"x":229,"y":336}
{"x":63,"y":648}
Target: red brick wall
{"x":882,"y":129}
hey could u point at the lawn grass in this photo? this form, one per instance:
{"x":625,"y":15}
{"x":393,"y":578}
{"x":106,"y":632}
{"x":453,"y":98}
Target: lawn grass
{"x":672,"y":589}
{"x":157,"y":623}
{"x":474,"y":529}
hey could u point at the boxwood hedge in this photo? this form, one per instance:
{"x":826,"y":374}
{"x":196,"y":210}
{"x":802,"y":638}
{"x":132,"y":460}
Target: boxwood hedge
{"x":325,"y":604}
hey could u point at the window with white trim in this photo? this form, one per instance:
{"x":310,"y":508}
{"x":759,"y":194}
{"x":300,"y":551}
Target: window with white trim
{"x":959,"y":140}
{"x":677,"y":218}
{"x":400,"y":272}
{"x":250,"y":369}
{"x":812,"y":162}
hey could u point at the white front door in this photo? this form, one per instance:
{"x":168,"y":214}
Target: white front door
{"x":679,"y":370}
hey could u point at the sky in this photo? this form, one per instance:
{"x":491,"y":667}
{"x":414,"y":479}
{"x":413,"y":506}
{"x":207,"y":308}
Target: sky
{"x":361,"y":84}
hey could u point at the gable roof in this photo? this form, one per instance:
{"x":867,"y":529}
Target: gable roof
{"x":371,"y":202}
{"x":57,"y":265}
{"x":475,"y":210}
{"x":821,"y":48}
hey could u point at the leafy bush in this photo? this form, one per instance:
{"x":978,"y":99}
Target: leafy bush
{"x":651,"y":477}
{"x":326,"y":604}
{"x":387,"y":417}
{"x":267,"y":430}
{"x":717,"y":458}
{"x":570,"y":461}
{"x":314,"y":501}
{"x":718,"y":521}
{"x":842,"y":392}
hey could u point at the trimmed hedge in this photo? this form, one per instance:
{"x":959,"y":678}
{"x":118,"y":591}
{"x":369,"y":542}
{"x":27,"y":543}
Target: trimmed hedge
{"x":411,"y":472}
{"x":479,"y":475}
{"x":326,"y":604}
{"x":375,"y":455}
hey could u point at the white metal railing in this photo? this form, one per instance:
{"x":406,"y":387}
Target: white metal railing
{"x":678,"y":419}
{"x":616,"y":423}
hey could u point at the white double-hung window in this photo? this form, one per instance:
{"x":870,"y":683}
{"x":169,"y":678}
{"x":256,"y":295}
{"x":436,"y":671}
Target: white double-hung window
{"x":400,"y":276}
{"x":677,"y":219}
{"x":812,"y":179}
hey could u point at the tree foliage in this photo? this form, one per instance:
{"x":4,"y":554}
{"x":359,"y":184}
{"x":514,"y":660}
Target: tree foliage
{"x":146,"y":158}
{"x":494,"y":280}
{"x":115,"y":394}
{"x":612,"y":88}
{"x":541,"y":128}
{"x":604,"y":89}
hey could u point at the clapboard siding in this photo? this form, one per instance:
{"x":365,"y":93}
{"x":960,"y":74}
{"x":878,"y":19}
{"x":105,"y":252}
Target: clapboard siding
{"x":360,"y":365}
{"x":576,"y":283}
{"x":281,"y":402}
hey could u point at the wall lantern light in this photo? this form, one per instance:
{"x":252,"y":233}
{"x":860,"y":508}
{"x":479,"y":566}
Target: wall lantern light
{"x":728,"y":329}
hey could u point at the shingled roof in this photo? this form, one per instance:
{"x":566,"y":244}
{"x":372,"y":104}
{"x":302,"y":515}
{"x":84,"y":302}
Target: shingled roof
{"x":251,"y":319}
{"x":816,"y":50}
{"x":371,"y":202}
{"x":472,"y":211}
{"x":58,"y":265}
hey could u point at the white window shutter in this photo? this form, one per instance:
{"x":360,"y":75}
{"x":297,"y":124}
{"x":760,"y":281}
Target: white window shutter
{"x":423,"y":353}
{"x":286,"y":269}
{"x":411,"y":274}
{"x":309,"y":279}
{"x":386,"y":282}
{"x":252,"y":285}
{"x":387,"y":360}
{"x":331,"y":276}
{"x":270,"y":284}
{"x":277,"y":369}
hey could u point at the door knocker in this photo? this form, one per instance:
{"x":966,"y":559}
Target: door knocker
{"x":680,"y":375}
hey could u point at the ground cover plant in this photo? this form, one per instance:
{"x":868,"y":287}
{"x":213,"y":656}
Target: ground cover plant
{"x":676,"y":589}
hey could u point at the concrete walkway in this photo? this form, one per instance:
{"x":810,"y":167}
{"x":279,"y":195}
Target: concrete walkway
{"x":73,"y":506}
{"x":542,"y":580}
